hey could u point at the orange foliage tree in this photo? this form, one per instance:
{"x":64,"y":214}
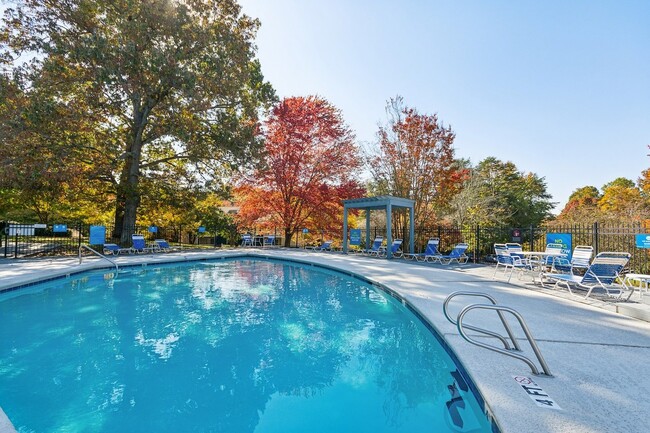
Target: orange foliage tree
{"x":414,"y":158}
{"x":310,"y":165}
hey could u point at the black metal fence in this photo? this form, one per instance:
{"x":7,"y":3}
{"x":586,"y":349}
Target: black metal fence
{"x":29,"y":240}
{"x":25,"y":240}
{"x":481,"y":240}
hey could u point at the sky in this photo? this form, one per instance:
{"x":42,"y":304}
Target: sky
{"x":560,"y":88}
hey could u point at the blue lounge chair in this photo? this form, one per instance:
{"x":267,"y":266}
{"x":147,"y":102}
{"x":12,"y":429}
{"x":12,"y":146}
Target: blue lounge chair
{"x":163,"y":245}
{"x":430,"y":251}
{"x":547,"y":259}
{"x":602,"y":274}
{"x":325,"y":246}
{"x":268,"y":241}
{"x":515,"y":250}
{"x":139,"y":245}
{"x":247,"y":240}
{"x":374,"y":250}
{"x":395,"y":249}
{"x":114,"y":249}
{"x":457,"y":255}
{"x":580,"y":260}
{"x":510,"y":261}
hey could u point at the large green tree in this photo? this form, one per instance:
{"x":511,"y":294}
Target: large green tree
{"x":145,"y":86}
{"x":498,"y":193}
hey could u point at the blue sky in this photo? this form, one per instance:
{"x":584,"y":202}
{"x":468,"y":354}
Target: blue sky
{"x":560,"y":88}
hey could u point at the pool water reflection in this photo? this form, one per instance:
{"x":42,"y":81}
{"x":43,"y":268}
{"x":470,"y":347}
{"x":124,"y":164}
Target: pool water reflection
{"x":225,"y":346}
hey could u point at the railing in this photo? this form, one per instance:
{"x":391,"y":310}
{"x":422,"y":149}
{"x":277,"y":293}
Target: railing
{"x":86,"y":247}
{"x":499,"y":309}
{"x":506,"y":345}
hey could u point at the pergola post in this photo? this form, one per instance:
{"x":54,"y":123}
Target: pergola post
{"x":345,"y":229}
{"x":411,"y":229}
{"x":367,"y":229}
{"x":389,"y":230}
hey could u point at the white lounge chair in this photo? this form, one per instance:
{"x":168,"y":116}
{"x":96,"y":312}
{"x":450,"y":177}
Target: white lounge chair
{"x":457,"y":255}
{"x":603,"y":274}
{"x":374,"y":250}
{"x":325,"y":246}
{"x":430,"y":251}
{"x":580,"y":259}
{"x":395,"y":249}
{"x":509,"y":261}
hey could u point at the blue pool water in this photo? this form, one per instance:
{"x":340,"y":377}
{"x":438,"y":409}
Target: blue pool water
{"x":227,"y":346}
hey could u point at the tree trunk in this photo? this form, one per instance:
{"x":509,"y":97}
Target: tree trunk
{"x":129,"y":187}
{"x":119,"y":216}
{"x":287,"y":237}
{"x":128,"y":200}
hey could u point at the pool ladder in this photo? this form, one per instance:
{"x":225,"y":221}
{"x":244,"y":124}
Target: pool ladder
{"x":87,"y":247}
{"x":508,"y":349}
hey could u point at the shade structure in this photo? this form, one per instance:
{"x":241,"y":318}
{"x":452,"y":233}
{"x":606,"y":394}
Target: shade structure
{"x":387,"y":203}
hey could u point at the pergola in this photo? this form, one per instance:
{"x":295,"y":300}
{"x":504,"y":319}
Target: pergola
{"x":386,"y":203}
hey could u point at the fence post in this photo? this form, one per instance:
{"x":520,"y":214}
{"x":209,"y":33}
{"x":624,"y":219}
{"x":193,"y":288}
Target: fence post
{"x":532,"y":238}
{"x":478,"y":241}
{"x":16,"y":243}
{"x":79,"y":228}
{"x":6,"y":235}
{"x":596,"y":243}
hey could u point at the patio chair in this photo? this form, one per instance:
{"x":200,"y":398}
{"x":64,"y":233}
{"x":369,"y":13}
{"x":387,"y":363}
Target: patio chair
{"x":509,"y":260}
{"x":601,"y":274}
{"x":430,"y":251}
{"x":268,"y":241}
{"x":457,"y":255}
{"x":580,"y":260}
{"x":114,"y":249}
{"x":247,"y":240}
{"x":515,"y":249}
{"x":325,"y":246}
{"x":375,"y":248}
{"x":551,"y":253}
{"x":163,"y":245}
{"x":139,"y":245}
{"x":395,"y":249}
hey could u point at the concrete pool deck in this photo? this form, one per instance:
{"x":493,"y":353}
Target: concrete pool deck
{"x":598,"y":357}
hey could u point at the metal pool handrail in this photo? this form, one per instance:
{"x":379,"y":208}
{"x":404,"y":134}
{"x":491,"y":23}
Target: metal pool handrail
{"x":519,"y":318}
{"x":87,"y":247}
{"x":481,"y":330}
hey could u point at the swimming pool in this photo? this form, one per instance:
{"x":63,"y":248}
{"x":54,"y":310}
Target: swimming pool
{"x":225,"y":346}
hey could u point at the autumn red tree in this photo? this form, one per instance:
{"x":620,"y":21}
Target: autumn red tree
{"x":310,"y":165}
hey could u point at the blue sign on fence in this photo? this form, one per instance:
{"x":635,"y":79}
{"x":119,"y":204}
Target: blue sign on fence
{"x":60,"y":228}
{"x":305,"y":231}
{"x":355,"y":237}
{"x":561,"y":238}
{"x":201,"y":229}
{"x":153,"y":229}
{"x":642,"y":240}
{"x":97,"y":235}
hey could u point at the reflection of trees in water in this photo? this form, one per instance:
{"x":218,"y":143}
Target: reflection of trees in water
{"x":284,"y":329}
{"x":236,"y":333}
